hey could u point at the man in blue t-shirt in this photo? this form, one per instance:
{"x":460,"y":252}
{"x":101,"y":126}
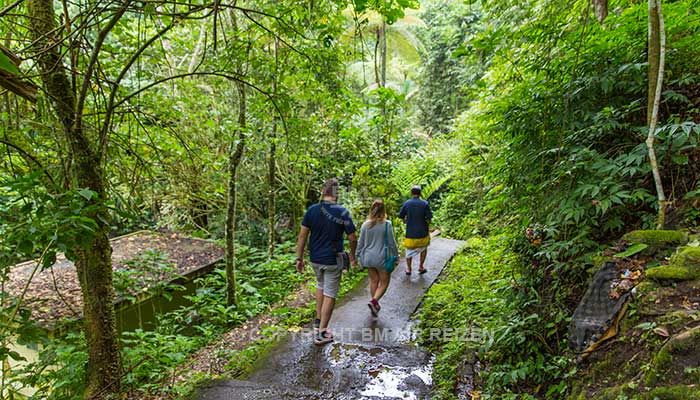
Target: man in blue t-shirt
{"x":325,"y":224}
{"x":416,"y":213}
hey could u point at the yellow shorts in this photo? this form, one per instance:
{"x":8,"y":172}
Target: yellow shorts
{"x":416,"y":243}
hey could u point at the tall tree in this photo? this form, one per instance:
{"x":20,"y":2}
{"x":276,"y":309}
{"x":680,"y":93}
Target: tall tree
{"x":657,"y":58}
{"x":93,"y":262}
{"x":235,"y":155}
{"x":272,"y":160}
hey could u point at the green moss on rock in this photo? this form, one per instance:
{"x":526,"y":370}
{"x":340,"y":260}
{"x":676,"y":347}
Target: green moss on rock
{"x":658,"y":239}
{"x":686,"y":344}
{"x":673,"y":393}
{"x":577,"y":393}
{"x":687,"y":257}
{"x":646,"y":287}
{"x":612,"y":393}
{"x":672,"y":273}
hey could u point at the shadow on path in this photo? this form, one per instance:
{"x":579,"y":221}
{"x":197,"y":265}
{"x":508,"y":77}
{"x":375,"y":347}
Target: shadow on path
{"x":370,"y":358}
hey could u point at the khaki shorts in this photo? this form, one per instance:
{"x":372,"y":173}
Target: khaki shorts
{"x":328,"y":279}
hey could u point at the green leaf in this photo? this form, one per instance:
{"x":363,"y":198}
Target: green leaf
{"x":49,"y":260}
{"x":7,"y":65}
{"x":16,"y":356}
{"x":86,"y":193}
{"x":632,"y":250}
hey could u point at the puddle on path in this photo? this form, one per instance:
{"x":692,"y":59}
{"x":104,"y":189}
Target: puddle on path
{"x":393,"y":382}
{"x":384,"y":373}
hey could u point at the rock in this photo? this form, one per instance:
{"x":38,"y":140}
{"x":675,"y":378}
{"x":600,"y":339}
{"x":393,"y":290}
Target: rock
{"x":673,"y":273}
{"x":677,"y":359}
{"x":657,"y":239}
{"x":612,"y":393}
{"x":674,"y":393}
{"x":687,"y":257}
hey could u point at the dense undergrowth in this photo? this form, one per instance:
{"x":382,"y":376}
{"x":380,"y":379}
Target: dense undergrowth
{"x":152,"y":356}
{"x":551,"y":155}
{"x":505,"y":347}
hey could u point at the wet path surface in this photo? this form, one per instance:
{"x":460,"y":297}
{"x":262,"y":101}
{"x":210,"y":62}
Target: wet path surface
{"x":370,"y":358}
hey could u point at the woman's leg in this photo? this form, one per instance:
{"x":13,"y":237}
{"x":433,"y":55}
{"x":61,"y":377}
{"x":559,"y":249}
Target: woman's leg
{"x":373,"y":281}
{"x":384,"y":279}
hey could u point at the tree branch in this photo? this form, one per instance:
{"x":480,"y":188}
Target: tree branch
{"x":25,"y":154}
{"x":94,"y":58}
{"x":229,"y":76}
{"x":10,"y":7}
{"x":109,"y":110}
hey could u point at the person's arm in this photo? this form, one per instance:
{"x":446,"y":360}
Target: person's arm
{"x":361,"y":242}
{"x":301,"y":244}
{"x":402,"y":212}
{"x":428,"y":213}
{"x":350,"y":230}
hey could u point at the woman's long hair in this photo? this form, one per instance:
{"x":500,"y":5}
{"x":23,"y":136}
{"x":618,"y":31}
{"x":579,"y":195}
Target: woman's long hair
{"x":377,"y":212}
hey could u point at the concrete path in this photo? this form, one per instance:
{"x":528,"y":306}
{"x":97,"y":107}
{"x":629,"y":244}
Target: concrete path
{"x":370,"y":358}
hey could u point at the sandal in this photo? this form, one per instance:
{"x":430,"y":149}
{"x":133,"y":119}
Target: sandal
{"x":422,"y":271}
{"x":323,"y":337}
{"x":408,"y":272}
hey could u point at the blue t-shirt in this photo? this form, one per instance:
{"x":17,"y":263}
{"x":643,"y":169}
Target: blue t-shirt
{"x":327,"y":222}
{"x":417,"y":213}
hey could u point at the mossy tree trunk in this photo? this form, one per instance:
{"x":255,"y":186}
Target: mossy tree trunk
{"x":272,"y":166}
{"x":657,"y":55}
{"x":235,"y":156}
{"x":93,"y":262}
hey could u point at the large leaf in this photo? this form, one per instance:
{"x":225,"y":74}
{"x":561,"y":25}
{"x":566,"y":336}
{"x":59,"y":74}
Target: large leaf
{"x":7,"y":65}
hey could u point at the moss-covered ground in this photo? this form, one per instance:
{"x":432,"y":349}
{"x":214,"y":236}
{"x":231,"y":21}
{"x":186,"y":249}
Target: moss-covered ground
{"x":656,"y":354}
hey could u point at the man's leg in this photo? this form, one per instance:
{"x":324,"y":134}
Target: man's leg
{"x":319,"y":302}
{"x":409,"y":261}
{"x":318,"y":271}
{"x":423,"y":255}
{"x":331,"y":286}
{"x":326,"y":311}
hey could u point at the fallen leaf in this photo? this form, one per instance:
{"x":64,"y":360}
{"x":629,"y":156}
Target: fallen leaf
{"x":661,"y":331}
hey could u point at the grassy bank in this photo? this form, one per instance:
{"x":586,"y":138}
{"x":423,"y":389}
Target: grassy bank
{"x":479,"y":294}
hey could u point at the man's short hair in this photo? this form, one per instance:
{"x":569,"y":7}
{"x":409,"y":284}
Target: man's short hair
{"x":416,"y":190}
{"x":331,"y":187}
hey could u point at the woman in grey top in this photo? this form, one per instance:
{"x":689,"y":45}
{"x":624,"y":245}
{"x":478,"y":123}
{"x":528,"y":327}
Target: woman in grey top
{"x":370,"y":252}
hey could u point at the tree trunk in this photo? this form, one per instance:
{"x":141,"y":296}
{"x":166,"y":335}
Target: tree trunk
{"x":657,"y":55}
{"x":235,"y":156}
{"x":93,"y":262}
{"x":384,"y":48}
{"x":272,"y":167}
{"x":271,"y":182}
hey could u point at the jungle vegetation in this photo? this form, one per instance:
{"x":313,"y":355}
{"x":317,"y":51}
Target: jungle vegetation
{"x":221,"y":119}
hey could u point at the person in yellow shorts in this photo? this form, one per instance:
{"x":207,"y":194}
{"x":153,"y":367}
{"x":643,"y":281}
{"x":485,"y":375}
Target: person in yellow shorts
{"x":417,"y":215}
